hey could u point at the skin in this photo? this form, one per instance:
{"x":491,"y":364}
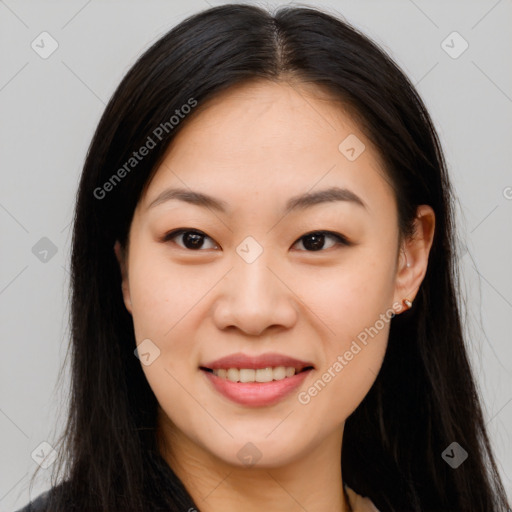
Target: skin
{"x":254,"y":147}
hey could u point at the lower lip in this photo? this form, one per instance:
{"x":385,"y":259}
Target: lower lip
{"x":257,"y":394}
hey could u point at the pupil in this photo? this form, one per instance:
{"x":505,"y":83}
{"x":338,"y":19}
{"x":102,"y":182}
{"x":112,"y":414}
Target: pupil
{"x":317,"y":240}
{"x":192,"y":240}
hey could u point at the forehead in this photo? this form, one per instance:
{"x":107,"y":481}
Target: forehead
{"x":269,"y":139}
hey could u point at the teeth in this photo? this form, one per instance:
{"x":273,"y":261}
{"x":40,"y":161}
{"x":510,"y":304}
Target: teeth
{"x":279,"y":373}
{"x":247,"y":375}
{"x":259,"y":375}
{"x":290,"y":371}
{"x":233,"y":375}
{"x":265,"y":374}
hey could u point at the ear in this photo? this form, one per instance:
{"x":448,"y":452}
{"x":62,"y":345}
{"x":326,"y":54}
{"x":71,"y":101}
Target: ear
{"x":414,"y":252}
{"x":122,"y":260}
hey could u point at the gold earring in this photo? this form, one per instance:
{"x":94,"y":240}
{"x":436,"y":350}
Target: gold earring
{"x":407,"y":303}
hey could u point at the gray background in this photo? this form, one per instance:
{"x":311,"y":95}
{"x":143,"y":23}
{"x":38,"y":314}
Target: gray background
{"x":50,"y":107}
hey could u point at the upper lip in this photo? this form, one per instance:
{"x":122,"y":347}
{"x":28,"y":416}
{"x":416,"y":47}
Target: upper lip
{"x":240,"y":360}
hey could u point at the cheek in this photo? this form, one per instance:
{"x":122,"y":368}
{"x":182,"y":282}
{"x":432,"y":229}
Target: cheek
{"x":355,"y":307}
{"x":163,"y":293}
{"x":167,"y":301}
{"x":163,"y":301}
{"x":352,"y":296}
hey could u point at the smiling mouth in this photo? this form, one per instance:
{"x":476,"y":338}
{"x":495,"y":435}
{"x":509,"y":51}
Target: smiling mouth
{"x":260,"y":375}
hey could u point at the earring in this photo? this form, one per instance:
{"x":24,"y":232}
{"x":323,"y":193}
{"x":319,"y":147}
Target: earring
{"x":407,"y":303}
{"x":407,"y":263}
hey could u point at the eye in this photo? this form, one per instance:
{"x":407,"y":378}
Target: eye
{"x":191,"y":239}
{"x":315,"y":241}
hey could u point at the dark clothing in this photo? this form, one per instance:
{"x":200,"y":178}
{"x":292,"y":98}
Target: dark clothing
{"x":38,"y":505}
{"x":160,"y":488}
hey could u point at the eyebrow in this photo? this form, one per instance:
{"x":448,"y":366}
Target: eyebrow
{"x":300,"y":202}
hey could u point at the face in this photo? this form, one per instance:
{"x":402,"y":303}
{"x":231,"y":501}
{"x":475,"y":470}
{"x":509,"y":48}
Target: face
{"x":261,"y":269}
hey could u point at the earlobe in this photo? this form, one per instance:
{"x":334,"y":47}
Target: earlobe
{"x":121,"y":259}
{"x":414,"y":255}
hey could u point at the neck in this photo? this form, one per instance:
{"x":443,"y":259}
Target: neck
{"x":312,"y":481}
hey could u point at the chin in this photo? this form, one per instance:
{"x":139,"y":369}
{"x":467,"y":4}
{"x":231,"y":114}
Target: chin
{"x":258,"y":452}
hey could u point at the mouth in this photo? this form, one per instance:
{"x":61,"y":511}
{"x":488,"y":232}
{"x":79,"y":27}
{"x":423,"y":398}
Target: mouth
{"x":256,"y":381}
{"x":259,"y":375}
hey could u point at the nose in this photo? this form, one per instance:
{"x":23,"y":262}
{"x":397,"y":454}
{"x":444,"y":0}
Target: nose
{"x":253,"y":297}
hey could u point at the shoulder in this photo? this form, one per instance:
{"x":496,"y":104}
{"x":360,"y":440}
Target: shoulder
{"x":359,"y":503}
{"x":37,"y":505}
{"x":41,"y":502}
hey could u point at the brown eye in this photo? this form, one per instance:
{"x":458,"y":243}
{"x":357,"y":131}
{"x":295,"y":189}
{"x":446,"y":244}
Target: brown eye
{"x":316,"y":241}
{"x":190,"y":239}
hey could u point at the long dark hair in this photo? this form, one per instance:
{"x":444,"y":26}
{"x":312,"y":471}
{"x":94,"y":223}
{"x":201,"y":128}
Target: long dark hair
{"x":424,"y":397}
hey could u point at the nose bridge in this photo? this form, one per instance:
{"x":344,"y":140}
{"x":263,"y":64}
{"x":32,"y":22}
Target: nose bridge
{"x":251,"y":266}
{"x":253,"y":297}
{"x":255,"y":285}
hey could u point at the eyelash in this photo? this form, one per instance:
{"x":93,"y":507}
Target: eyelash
{"x":341,"y":240}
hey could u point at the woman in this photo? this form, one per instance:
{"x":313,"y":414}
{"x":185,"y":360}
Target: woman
{"x":264,"y":309}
